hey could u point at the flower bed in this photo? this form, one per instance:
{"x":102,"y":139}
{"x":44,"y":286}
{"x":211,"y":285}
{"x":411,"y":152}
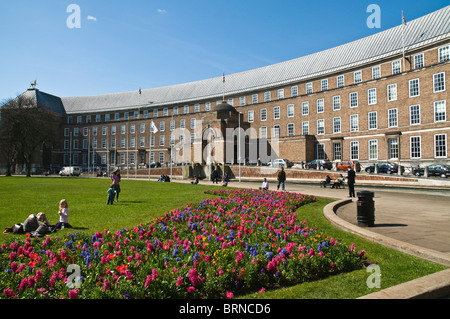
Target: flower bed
{"x":237,"y":242}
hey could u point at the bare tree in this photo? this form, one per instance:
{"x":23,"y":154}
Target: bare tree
{"x":24,"y":128}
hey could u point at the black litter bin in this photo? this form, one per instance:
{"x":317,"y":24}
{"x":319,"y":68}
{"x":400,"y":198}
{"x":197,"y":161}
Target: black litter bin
{"x":365,"y":209}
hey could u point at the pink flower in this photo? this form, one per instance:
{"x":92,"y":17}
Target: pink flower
{"x":23,"y":284}
{"x":352,"y":247}
{"x":179,"y":281}
{"x":73,"y":293}
{"x":194,"y":277}
{"x":106,"y":285}
{"x":262,"y":290}
{"x":9,"y":293}
{"x":190,"y":289}
{"x":230,"y":294}
{"x":148,"y":280}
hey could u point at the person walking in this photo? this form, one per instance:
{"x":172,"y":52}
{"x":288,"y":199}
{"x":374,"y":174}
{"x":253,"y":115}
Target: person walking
{"x":115,"y":178}
{"x":351,"y":182}
{"x":111,"y":193}
{"x":281,"y":177}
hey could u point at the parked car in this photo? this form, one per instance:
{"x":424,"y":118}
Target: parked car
{"x":281,"y":162}
{"x":70,"y":171}
{"x":343,"y":166}
{"x":322,"y":164}
{"x":433,"y":170}
{"x":385,"y":167}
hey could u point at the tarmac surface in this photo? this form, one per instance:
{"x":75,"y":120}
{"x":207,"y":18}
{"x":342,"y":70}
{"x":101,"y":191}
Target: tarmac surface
{"x":412,"y":220}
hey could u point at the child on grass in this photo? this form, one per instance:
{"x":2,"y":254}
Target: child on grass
{"x":63,"y":215}
{"x":111,"y":193}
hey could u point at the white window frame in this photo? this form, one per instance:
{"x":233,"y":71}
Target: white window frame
{"x":324,"y":85}
{"x":412,"y":114}
{"x":305,"y":108}
{"x":353,"y":97}
{"x":396,"y":67}
{"x":336,"y":125}
{"x":305,"y":128}
{"x":309,"y":88}
{"x":372,"y":120}
{"x":290,"y":129}
{"x":354,"y":150}
{"x":414,"y":87}
{"x":392,"y":92}
{"x":263,"y":115}
{"x":320,"y":127}
{"x":418,"y":61}
{"x":373,"y":149}
{"x":393,"y":117}
{"x":251,"y":116}
{"x":444,"y":111}
{"x":290,"y":110}
{"x":336,"y":103}
{"x":415,"y":147}
{"x":444,"y":53}
{"x":352,"y":127}
{"x":276,"y":113}
{"x":376,"y":72}
{"x":357,"y":76}
{"x":435,"y":76}
{"x":443,"y":152}
{"x":372,"y":96}
{"x":340,"y":81}
{"x":320,"y":103}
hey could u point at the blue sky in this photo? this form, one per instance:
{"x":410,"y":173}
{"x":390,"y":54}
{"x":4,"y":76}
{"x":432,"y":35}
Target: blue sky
{"x":126,"y":45}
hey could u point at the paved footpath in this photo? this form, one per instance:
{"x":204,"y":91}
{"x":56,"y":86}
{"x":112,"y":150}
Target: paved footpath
{"x":415,"y":221}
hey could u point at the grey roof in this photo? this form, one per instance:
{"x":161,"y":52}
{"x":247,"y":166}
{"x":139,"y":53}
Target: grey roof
{"x":422,"y":31}
{"x":45,"y":100}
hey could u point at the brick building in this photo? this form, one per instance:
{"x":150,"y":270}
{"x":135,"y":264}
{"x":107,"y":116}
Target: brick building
{"x":380,"y":98}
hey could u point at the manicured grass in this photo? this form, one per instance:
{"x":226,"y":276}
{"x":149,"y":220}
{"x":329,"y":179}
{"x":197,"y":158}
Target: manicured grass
{"x":141,"y":201}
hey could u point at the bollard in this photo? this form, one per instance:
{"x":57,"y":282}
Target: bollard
{"x":365,"y":209}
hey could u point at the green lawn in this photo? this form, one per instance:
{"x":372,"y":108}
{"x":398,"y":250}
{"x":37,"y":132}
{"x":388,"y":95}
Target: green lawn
{"x":141,"y":201}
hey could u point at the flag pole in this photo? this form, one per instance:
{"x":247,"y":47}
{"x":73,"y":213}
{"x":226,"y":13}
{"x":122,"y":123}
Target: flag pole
{"x":403,"y":40}
{"x":223,"y":87}
{"x":150,"y":154}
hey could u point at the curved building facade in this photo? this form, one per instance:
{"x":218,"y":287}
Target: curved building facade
{"x":380,"y":98}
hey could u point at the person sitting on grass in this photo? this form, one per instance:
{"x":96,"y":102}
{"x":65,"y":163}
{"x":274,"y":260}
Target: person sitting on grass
{"x":225,"y":180}
{"x":265,"y":184}
{"x":63,"y":213}
{"x":36,"y":225}
{"x":195,"y":181}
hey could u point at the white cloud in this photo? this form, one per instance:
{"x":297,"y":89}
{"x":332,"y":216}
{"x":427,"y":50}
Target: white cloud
{"x":161,"y":11}
{"x":92,"y":18}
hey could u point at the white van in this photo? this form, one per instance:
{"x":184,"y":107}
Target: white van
{"x":70,"y":171}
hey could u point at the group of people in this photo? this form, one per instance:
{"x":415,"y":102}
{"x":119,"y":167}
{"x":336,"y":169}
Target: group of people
{"x":337,"y":183}
{"x":114,"y":187}
{"x":215,"y":178}
{"x":164,"y":178}
{"x":39,"y":225}
{"x":351,"y":175}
